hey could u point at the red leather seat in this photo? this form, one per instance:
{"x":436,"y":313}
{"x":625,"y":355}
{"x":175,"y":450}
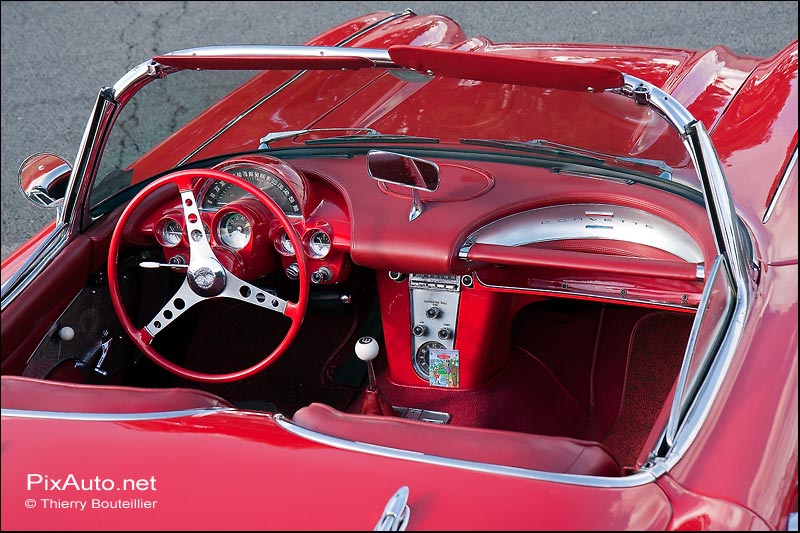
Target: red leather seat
{"x":31,"y":394}
{"x":522,"y":450}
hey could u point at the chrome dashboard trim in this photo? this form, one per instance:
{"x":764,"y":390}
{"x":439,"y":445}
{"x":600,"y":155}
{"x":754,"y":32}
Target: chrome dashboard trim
{"x":114,"y":417}
{"x":635,"y":480}
{"x":593,"y":296}
{"x":587,"y":221}
{"x":773,"y":202}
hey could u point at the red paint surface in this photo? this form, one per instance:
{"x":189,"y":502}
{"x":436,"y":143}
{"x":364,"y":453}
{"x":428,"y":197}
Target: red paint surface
{"x":240,"y":471}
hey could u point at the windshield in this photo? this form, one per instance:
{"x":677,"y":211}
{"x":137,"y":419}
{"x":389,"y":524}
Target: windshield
{"x":196,"y":115}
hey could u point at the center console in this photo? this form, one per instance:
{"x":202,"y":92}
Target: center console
{"x":434,"y":316}
{"x":463,"y":328}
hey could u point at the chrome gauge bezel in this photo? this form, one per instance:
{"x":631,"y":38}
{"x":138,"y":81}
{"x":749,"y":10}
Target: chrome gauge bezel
{"x":270,"y":183}
{"x":417,"y":363}
{"x":283,"y":244}
{"x":314,"y":248}
{"x":164,"y":227}
{"x":232,"y":239}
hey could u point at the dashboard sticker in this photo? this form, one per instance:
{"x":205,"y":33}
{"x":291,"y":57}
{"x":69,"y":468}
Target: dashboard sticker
{"x":443,"y":368}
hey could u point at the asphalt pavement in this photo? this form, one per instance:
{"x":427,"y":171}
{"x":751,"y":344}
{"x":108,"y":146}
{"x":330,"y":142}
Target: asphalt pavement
{"x":57,"y":55}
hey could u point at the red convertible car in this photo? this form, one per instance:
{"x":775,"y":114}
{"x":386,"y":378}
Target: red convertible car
{"x":402,"y":278}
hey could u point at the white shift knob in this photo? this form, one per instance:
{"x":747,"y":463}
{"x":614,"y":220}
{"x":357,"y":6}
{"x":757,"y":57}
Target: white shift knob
{"x":367,"y":348}
{"x":66,"y":333}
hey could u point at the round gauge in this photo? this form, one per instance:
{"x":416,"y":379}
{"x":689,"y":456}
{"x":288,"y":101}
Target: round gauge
{"x":170,"y":233}
{"x":234,"y":230}
{"x":221,"y":193}
{"x":319,"y":245}
{"x":284,"y":244}
{"x":421,"y":360}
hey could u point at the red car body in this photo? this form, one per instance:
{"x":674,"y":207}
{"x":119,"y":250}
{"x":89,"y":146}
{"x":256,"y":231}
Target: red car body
{"x":207,"y":468}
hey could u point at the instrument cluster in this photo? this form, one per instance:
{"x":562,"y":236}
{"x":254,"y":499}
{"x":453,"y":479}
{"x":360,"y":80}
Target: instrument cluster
{"x":242,"y":232}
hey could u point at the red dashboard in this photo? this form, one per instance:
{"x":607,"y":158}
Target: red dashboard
{"x":487,"y":246}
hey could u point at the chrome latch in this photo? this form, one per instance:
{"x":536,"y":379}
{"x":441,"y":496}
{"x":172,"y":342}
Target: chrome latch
{"x":396,"y":514}
{"x":100,"y":350}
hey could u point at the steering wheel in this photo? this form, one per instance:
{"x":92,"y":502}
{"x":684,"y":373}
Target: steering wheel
{"x":206,"y":277}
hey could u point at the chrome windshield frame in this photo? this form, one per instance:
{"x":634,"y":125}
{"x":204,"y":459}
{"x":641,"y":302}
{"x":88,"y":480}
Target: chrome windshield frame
{"x":689,"y":413}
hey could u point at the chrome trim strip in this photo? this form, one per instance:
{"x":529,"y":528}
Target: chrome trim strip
{"x":781,"y":185}
{"x":674,"y":414}
{"x":634,"y":480}
{"x":114,"y":417}
{"x":34,"y":265}
{"x":601,"y":297}
{"x":705,"y":396}
{"x":78,"y":188}
{"x":380,"y":57}
{"x":721,"y":211}
{"x":701,"y":271}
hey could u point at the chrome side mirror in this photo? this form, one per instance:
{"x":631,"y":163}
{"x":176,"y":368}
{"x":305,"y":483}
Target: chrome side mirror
{"x":412,"y":172}
{"x":43,"y":179}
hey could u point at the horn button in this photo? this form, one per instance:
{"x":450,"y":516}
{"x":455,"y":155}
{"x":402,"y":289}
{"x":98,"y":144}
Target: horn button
{"x":206,"y":277}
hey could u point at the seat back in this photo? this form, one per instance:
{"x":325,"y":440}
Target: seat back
{"x":521,"y":450}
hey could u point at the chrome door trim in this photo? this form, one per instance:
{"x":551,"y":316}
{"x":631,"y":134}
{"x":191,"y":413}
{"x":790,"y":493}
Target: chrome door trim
{"x":41,"y":257}
{"x":635,"y":480}
{"x":114,"y":417}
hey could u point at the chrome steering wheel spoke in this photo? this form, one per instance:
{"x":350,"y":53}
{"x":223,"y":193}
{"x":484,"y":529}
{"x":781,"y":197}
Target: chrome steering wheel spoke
{"x":181,"y":301}
{"x":246,"y":292}
{"x":199,"y":248}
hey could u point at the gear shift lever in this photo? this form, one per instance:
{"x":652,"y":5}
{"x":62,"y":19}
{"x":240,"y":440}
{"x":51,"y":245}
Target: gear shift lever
{"x":374,"y":403}
{"x":367,"y":349}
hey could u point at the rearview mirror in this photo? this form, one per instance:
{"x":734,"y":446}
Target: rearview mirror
{"x":43,"y":179}
{"x":399,"y":169}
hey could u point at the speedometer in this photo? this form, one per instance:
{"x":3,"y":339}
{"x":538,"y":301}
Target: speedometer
{"x":221,"y":193}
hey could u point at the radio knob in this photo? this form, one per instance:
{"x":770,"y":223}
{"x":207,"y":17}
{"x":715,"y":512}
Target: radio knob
{"x":419,"y":330}
{"x":293,"y":271}
{"x":396,"y":276}
{"x":444,"y":333}
{"x":321,"y":275}
{"x":433,"y":312}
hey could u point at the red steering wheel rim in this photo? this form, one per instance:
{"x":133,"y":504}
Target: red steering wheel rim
{"x":295,"y":311}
